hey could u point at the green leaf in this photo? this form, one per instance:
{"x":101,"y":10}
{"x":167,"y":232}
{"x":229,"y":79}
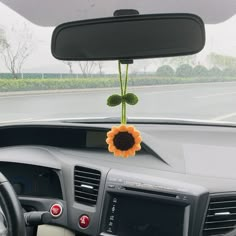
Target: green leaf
{"x":130,"y":98}
{"x":114,"y":100}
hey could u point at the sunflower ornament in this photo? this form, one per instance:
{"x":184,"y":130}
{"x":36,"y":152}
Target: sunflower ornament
{"x":123,"y":140}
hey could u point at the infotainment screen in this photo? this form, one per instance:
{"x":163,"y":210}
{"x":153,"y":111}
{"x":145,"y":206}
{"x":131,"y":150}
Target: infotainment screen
{"x":136,"y":216}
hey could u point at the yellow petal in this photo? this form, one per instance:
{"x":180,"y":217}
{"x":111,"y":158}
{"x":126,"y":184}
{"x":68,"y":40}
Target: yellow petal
{"x":126,"y":155}
{"x":130,"y":129}
{"x":111,"y":148}
{"x":109,"y":141}
{"x":138,"y":139}
{"x":123,"y":128}
{"x":122,"y":153}
{"x":110,"y":134}
{"x":131,"y":152}
{"x":137,"y":147}
{"x":136,"y":133}
{"x":117,"y":153}
{"x":114,"y":130}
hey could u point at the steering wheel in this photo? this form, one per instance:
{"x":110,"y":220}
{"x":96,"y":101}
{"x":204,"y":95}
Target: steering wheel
{"x":11,"y":210}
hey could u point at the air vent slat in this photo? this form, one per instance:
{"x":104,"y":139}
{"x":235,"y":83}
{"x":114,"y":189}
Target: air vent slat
{"x":219,"y":221}
{"x":86,"y":185}
{"x":230,"y":214}
{"x":221,"y":208}
{"x":218,"y":228}
{"x":87,"y":178}
{"x":88,"y":201}
{"x":221,"y":216}
{"x":223,"y":202}
{"x":86,"y":173}
{"x":78,"y":188}
{"x":89,"y":194}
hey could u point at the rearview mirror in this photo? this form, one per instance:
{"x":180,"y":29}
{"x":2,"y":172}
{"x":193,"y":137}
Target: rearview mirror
{"x":129,"y":37}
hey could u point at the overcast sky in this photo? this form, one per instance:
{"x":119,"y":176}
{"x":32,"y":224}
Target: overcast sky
{"x":221,"y":38}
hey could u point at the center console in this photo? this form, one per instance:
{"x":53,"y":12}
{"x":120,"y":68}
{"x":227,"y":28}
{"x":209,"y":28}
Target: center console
{"x":135,"y":206}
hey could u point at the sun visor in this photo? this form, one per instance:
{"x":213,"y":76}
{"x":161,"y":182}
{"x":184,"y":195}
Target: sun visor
{"x":55,"y":12}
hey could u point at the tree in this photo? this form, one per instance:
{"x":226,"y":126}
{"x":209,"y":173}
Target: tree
{"x":181,"y":60}
{"x":165,"y":71}
{"x":221,"y":61}
{"x":3,"y":42}
{"x":100,"y":67}
{"x":230,"y":71}
{"x":18,"y":48}
{"x":175,"y":62}
{"x":159,"y":62}
{"x":215,"y":71}
{"x":140,"y":66}
{"x":70,"y":66}
{"x":199,"y":71}
{"x":87,"y":67}
{"x":184,"y":70}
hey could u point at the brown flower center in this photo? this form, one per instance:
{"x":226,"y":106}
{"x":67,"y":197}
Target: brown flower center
{"x":123,"y":141}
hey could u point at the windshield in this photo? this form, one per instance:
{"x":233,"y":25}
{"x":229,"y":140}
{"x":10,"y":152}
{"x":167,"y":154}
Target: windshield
{"x":36,"y":86}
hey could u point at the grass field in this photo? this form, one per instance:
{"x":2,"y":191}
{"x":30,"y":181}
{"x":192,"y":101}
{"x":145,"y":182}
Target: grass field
{"x":8,"y":85}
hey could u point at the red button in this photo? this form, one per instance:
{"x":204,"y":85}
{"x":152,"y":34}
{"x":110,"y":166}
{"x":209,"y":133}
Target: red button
{"x":56,"y":210}
{"x":84,"y":221}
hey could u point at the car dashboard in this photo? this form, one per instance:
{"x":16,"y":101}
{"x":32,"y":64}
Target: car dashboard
{"x":182,"y":182}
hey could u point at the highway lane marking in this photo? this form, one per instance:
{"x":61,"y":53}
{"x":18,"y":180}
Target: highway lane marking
{"x":215,"y":95}
{"x":167,"y":91}
{"x":35,"y":95}
{"x":15,"y":121}
{"x":76,"y":93}
{"x":223,"y":117}
{"x":184,"y":87}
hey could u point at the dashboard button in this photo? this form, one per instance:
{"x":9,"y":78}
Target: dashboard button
{"x":56,"y":210}
{"x":84,"y":221}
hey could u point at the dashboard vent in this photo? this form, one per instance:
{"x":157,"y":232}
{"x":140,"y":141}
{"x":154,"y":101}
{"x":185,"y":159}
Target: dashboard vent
{"x":221,"y":216}
{"x":86,"y":184}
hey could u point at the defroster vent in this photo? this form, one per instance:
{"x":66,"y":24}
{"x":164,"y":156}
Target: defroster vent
{"x":221,"y":216}
{"x":86,"y":184}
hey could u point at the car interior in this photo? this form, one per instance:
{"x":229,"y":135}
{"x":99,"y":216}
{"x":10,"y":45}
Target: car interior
{"x":57,"y":177}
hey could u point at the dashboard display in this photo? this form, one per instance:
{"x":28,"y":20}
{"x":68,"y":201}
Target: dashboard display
{"x":96,"y":139}
{"x":133,"y":216}
{"x":30,"y":180}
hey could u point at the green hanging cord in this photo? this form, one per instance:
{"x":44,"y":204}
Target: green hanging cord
{"x":124,"y":92}
{"x":120,"y":77}
{"x":124,"y":97}
{"x":126,"y":78}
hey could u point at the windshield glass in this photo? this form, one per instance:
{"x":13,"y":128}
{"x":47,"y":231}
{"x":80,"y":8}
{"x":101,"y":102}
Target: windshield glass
{"x":36,"y":86}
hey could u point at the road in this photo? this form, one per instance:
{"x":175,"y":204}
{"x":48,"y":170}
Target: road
{"x":212,"y":101}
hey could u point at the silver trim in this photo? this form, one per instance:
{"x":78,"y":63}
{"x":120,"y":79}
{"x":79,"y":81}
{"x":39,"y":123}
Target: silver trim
{"x":86,"y":186}
{"x":222,"y":213}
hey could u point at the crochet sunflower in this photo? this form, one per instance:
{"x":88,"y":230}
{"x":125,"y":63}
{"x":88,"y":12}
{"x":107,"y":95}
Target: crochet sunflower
{"x":123,"y":140}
